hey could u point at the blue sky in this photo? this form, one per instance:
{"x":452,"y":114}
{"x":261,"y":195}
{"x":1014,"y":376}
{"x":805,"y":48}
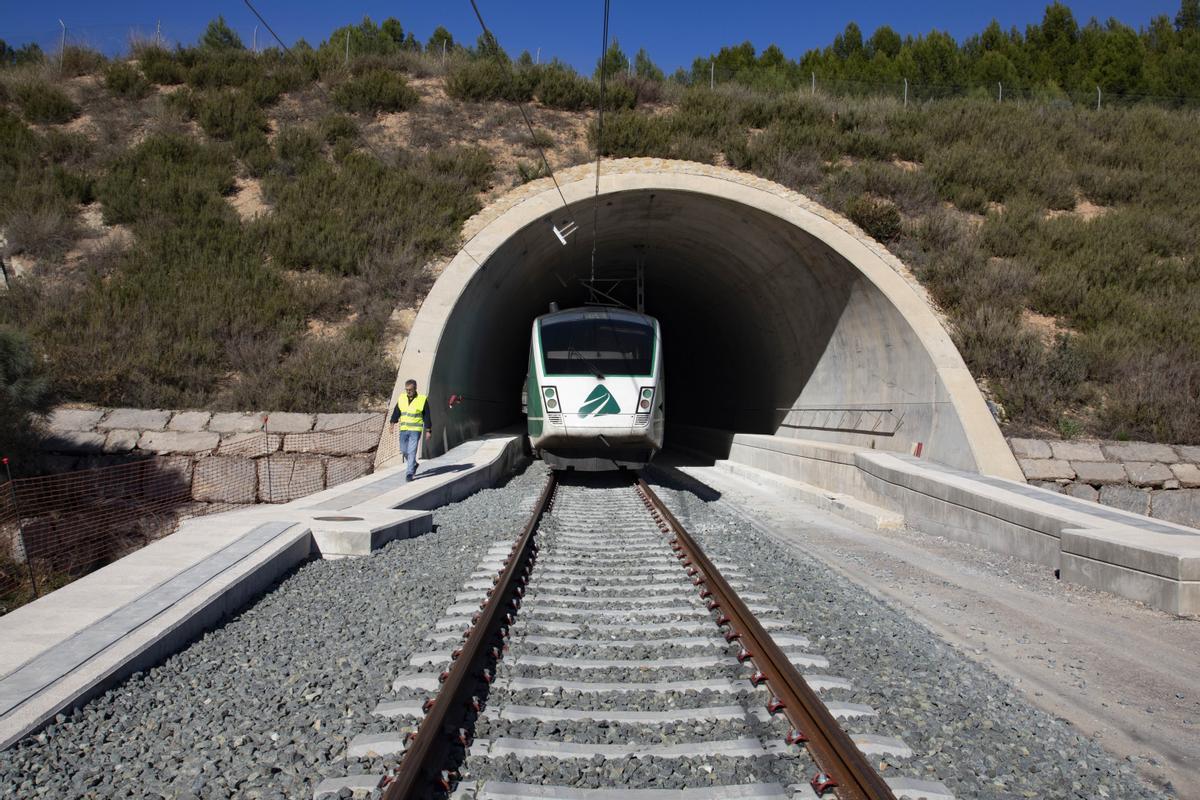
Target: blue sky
{"x":673,"y":31}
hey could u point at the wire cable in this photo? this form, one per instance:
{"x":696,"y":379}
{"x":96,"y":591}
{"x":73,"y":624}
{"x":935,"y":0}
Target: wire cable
{"x":489,"y":36}
{"x":599,"y":136}
{"x":316,"y":83}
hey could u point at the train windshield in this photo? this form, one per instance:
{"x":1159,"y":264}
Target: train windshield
{"x":599,"y":345}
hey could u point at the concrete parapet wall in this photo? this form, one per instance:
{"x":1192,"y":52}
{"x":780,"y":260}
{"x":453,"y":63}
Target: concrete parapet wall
{"x":224,"y":457}
{"x":1158,"y":480}
{"x":1108,"y":548}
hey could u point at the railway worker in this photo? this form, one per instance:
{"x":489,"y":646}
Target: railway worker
{"x":412,"y":412}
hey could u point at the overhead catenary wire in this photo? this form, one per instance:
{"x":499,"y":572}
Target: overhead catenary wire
{"x":599,"y":136}
{"x":490,"y":37}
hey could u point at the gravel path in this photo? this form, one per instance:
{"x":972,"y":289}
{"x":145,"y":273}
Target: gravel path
{"x":263,"y":706}
{"x":968,"y":728}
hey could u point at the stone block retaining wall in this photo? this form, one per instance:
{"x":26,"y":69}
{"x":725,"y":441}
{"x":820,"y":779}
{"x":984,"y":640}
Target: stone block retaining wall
{"x":224,"y":457}
{"x":1158,"y":480}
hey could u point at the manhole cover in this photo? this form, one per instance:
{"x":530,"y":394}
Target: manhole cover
{"x":339,"y":519}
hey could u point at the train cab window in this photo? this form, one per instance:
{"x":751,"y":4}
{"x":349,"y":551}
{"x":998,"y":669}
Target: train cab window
{"x":599,"y":346}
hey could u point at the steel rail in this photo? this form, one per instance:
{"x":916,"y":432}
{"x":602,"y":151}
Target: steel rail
{"x":842,"y":766}
{"x":421,"y":768}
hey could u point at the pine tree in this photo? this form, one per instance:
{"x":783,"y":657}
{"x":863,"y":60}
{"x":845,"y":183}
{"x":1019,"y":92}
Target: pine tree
{"x":614,"y":62}
{"x":644,"y":68}
{"x":219,"y":36}
{"x":1188,"y":18}
{"x":438,"y":38}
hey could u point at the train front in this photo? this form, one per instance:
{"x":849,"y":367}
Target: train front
{"x":595,"y":393}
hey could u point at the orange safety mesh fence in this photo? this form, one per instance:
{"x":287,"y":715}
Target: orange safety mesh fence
{"x":56,"y":528}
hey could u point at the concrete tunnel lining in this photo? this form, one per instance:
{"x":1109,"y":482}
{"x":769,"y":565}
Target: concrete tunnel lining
{"x":767,"y":302}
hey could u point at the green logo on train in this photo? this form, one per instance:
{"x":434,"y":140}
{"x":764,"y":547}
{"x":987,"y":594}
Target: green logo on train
{"x":599,"y":403}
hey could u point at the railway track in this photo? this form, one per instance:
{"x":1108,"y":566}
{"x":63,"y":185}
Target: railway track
{"x":603,"y":654}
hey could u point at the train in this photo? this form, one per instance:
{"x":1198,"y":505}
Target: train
{"x":594,"y":393}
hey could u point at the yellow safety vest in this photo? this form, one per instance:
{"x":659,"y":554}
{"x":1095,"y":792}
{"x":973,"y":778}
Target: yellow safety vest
{"x":412,"y":414}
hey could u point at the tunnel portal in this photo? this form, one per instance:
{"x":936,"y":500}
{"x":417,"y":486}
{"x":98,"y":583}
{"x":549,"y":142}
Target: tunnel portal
{"x":778,"y":317}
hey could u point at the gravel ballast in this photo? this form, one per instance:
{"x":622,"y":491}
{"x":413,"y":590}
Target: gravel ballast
{"x":264,"y":706}
{"x":968,"y":728}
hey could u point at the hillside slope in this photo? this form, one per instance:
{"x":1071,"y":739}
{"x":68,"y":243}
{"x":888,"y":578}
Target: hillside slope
{"x":227,"y":230}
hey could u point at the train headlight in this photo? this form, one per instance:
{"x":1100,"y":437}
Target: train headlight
{"x":647,"y":399}
{"x":550,"y":395}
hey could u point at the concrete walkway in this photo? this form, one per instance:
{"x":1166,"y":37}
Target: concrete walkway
{"x":76,"y":642}
{"x":1122,"y":673}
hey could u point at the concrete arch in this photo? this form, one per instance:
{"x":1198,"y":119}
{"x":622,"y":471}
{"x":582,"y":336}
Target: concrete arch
{"x":778,"y":315}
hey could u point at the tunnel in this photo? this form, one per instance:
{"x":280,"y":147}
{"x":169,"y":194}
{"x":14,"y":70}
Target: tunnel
{"x":778,"y":317}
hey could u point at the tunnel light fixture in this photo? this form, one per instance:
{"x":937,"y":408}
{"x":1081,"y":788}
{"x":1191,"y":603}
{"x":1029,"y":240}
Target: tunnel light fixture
{"x":566,"y":230}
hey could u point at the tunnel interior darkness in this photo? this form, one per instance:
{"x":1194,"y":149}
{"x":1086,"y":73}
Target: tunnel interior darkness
{"x":758,"y":317}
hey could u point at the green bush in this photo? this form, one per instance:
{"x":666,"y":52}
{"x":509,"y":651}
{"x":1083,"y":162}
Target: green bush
{"x":262,"y":77}
{"x":38,"y":197}
{"x":530,"y":171}
{"x":252,"y":147}
{"x":228,"y":113}
{"x":488,"y":79}
{"x":374,"y":91}
{"x":559,"y":86}
{"x":632,"y":133}
{"x":164,"y":175}
{"x":338,"y":127}
{"x":43,"y":230}
{"x":125,"y":80}
{"x":76,"y":61}
{"x":24,"y":392}
{"x":45,"y":103}
{"x":63,"y":148}
{"x":333,"y":216}
{"x":879,"y":218}
{"x":298,"y":148}
{"x":619,"y":94}
{"x":160,"y":66}
{"x":336,"y":373}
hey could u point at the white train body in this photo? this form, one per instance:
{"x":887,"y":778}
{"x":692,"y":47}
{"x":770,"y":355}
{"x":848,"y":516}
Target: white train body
{"x":594,"y":391}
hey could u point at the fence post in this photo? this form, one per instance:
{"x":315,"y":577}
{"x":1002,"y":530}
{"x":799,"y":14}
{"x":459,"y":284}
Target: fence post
{"x":1000,"y":92}
{"x":712,"y":74}
{"x":444,"y":53}
{"x":347,"y":48}
{"x":813,"y":91}
{"x":1097,"y":98}
{"x":62,"y":46}
{"x":268,"y":448}
{"x":906,"y":92}
{"x":254,"y":41}
{"x":20,"y":528}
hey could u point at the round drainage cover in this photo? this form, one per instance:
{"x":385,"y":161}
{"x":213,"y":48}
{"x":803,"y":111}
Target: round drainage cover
{"x":339,"y":519}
